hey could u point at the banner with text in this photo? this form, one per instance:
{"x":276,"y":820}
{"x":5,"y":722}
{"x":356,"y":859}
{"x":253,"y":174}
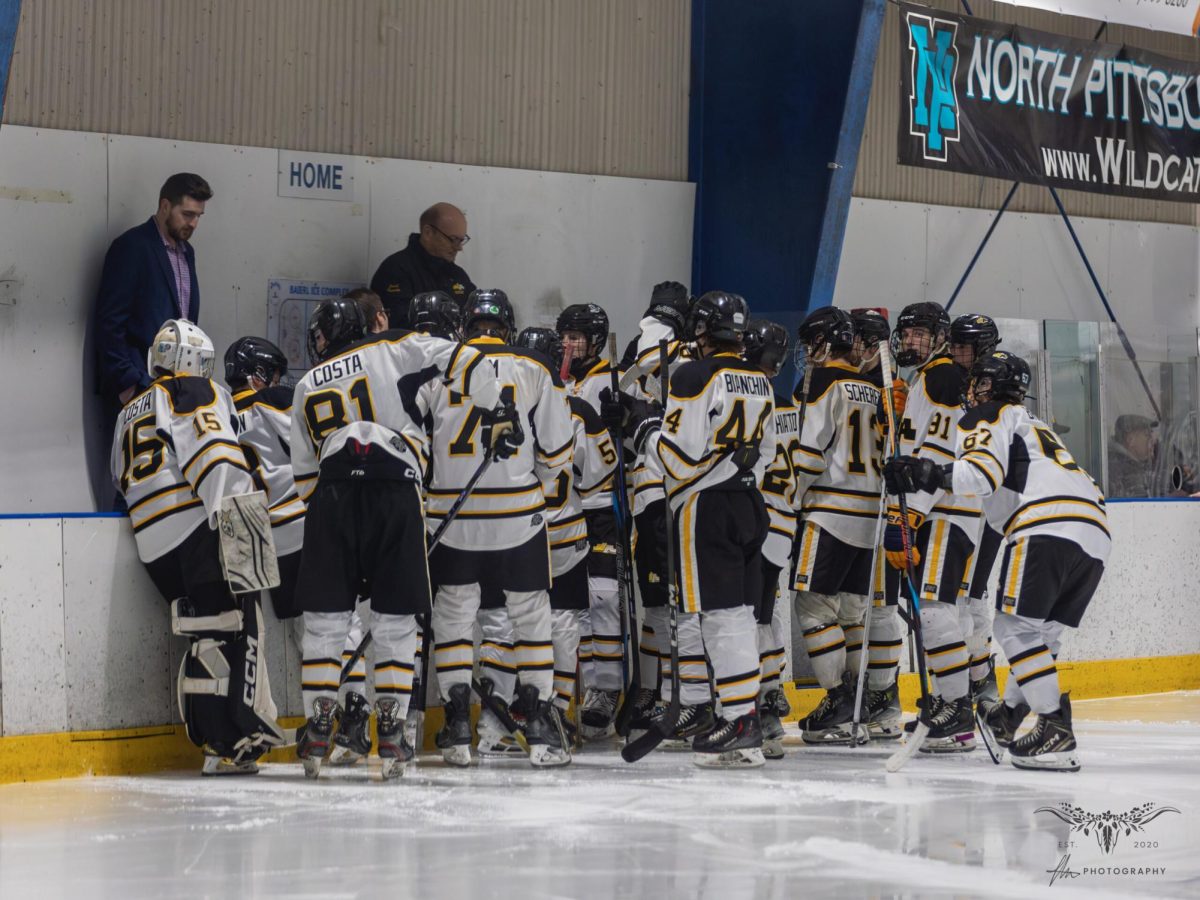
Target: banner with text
{"x":987,"y":98}
{"x":1182,"y":16}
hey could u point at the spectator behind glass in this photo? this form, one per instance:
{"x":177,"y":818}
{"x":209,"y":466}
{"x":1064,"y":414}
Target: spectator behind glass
{"x":1131,"y":457}
{"x":427,"y":263}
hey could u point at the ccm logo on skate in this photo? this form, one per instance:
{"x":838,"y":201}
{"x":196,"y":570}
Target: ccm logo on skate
{"x":251,"y":669}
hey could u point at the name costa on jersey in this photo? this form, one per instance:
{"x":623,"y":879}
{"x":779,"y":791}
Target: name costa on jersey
{"x":174,"y":456}
{"x":1029,"y":482}
{"x":837,"y":468}
{"x":264,"y":421}
{"x":716,"y":407}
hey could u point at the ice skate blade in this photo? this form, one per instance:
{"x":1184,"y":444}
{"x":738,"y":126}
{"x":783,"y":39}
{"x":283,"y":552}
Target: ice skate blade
{"x":960,"y":743}
{"x":674,"y":745}
{"x":824,"y":738}
{"x":594,"y":733}
{"x":543,"y":756}
{"x":1063,"y":761}
{"x":312,"y":766}
{"x":458,"y":755}
{"x":222,"y":766}
{"x":344,"y":756}
{"x":747,"y":758}
{"x":773,"y":748}
{"x":393,"y":768}
{"x":500,"y":751}
{"x":993,"y":746}
{"x":890,"y":732}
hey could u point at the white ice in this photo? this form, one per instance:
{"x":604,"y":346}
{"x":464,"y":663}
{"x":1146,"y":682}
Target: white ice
{"x":822,"y":822}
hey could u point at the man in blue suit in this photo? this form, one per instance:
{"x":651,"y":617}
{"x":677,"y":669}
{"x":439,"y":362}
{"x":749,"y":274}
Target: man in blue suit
{"x":149,"y":277}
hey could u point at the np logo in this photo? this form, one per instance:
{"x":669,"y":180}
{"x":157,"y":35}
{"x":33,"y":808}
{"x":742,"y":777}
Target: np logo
{"x":933,"y":105}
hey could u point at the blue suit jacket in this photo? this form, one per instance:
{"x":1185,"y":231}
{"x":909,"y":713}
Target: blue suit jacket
{"x":137,"y":294}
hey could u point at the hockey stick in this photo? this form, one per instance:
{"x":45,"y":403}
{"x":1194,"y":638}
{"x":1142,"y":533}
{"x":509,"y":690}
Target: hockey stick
{"x":632,"y":676}
{"x":663,"y":726}
{"x":906,"y":752}
{"x":459,"y":502}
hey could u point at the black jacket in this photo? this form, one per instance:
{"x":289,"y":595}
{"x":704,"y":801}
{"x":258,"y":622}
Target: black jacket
{"x":413,"y":271}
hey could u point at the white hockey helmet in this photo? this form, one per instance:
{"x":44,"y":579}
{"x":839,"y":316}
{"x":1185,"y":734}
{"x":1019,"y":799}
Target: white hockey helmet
{"x":180,"y":348}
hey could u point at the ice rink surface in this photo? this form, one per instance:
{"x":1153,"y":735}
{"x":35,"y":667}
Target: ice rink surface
{"x":821,"y":823}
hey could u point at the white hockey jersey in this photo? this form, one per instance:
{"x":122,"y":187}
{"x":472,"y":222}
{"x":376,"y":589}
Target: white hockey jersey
{"x":356,"y":414}
{"x":1029,"y":483}
{"x":174,"y":457}
{"x":508,"y":507}
{"x":716,"y":407}
{"x":588,"y":388}
{"x":929,"y":429}
{"x":838,"y":472}
{"x":593,"y":462}
{"x":779,"y":484}
{"x":646,"y":475}
{"x":264,"y":428}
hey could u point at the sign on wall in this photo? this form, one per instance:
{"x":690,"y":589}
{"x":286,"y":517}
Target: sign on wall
{"x":316,"y":176}
{"x":1182,"y":16}
{"x":289,"y":305}
{"x":989,"y":98}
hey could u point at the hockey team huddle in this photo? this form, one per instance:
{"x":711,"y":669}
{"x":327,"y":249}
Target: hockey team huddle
{"x":621,"y":535}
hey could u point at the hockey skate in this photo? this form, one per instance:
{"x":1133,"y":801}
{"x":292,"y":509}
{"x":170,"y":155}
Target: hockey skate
{"x":317,"y":739}
{"x":696,"y":719}
{"x":882,"y":714}
{"x":936,"y":704}
{"x":352,"y":742}
{"x":495,"y":741}
{"x":998,"y":724}
{"x":454,"y":740}
{"x":771,"y":709}
{"x":543,"y":731}
{"x":985,"y":690}
{"x":395,"y":752}
{"x":216,"y":764}
{"x":952,"y":729}
{"x":830,"y":722}
{"x":645,"y":708}
{"x":1049,"y":745}
{"x":733,"y":744}
{"x":598,"y":714}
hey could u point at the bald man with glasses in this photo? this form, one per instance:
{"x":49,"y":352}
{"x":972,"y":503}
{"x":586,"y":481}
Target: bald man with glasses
{"x":427,"y":263}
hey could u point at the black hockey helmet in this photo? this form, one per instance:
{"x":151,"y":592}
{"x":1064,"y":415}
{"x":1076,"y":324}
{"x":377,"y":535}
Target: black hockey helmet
{"x":436,"y":313}
{"x":488,"y":305}
{"x":1008,"y":374}
{"x":766,"y":345}
{"x":544,"y":341}
{"x":720,"y":315}
{"x":870,"y":325}
{"x":826,"y":329}
{"x":591,"y":321}
{"x":340,"y":321}
{"x":979,"y":332}
{"x":253,"y":356}
{"x":928,"y":315}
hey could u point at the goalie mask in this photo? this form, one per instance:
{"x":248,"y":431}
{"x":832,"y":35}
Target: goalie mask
{"x":180,"y":348}
{"x":922,"y":330}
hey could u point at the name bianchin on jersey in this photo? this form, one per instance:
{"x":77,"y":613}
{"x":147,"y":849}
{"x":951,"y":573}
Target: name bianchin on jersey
{"x":755,"y":385}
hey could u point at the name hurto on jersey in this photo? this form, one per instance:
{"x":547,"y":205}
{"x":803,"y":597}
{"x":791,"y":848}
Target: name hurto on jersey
{"x":757,"y":385}
{"x":335,"y":369}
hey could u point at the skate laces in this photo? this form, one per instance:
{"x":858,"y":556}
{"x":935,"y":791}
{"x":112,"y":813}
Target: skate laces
{"x":944,"y":713}
{"x":1034,"y":736}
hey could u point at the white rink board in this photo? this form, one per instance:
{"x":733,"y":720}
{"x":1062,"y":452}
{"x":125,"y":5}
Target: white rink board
{"x":546,"y":238}
{"x":111,"y":670}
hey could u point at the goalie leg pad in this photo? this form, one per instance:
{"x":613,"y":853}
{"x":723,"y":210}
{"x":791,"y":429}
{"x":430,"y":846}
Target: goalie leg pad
{"x":223,"y":691}
{"x":247,"y":547}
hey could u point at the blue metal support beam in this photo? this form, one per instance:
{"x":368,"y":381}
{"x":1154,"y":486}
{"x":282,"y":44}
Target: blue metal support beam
{"x":10,"y":15}
{"x":979,"y":252}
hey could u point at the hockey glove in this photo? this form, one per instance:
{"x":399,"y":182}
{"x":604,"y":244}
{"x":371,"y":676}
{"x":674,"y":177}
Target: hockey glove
{"x":910,"y":474}
{"x":614,"y":411}
{"x":899,"y":396}
{"x":669,"y":303}
{"x":893,"y":541}
{"x":505,"y":434}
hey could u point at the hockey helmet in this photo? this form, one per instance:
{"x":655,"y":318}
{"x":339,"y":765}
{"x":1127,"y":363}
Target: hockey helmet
{"x":870,"y":326}
{"x":544,"y":341}
{"x":488,"y":305}
{"x":826,"y":330}
{"x":591,"y":321}
{"x":978,"y":336}
{"x":916,"y":350}
{"x":181,"y":348}
{"x":436,"y":313}
{"x":253,"y":356}
{"x":337,"y":322}
{"x":766,"y":345}
{"x":720,"y":315}
{"x":1007,"y":376}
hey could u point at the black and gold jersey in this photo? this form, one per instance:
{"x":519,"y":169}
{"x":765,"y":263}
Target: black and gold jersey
{"x":264,"y":427}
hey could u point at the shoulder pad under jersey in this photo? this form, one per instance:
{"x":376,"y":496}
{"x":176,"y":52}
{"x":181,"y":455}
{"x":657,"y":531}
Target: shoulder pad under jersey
{"x":189,"y":393}
{"x":689,"y":380}
{"x":984,"y":413}
{"x":592,"y":423}
{"x":944,"y":382}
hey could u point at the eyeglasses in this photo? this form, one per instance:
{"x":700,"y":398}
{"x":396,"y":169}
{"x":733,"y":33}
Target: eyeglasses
{"x":456,"y":241}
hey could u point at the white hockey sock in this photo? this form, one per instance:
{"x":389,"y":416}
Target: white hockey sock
{"x":884,"y":643}
{"x":395,"y":648}
{"x":979,"y":642}
{"x":1031,"y":646}
{"x":324,"y":637}
{"x":648,"y":653}
{"x":607,"y":640}
{"x":454,"y":614}
{"x":729,"y":637}
{"x":530,"y":615}
{"x":587,"y":667}
{"x":356,"y":679}
{"x":497,"y":659}
{"x":851,"y":609}
{"x":694,"y":682}
{"x":945,"y":650}
{"x":564,"y":633}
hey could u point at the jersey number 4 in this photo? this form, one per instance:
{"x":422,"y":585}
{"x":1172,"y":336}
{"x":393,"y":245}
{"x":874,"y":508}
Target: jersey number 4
{"x":464,"y":444}
{"x":733,"y":433}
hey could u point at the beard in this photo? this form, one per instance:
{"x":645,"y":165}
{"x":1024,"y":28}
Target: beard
{"x":180,"y":232}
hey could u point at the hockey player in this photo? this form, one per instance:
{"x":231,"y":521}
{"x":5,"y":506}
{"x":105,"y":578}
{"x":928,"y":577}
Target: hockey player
{"x":583,"y":328}
{"x":499,"y":540}
{"x":766,"y":348}
{"x":593,"y":461}
{"x":358,"y":457}
{"x":436,"y":313}
{"x":885,"y":639}
{"x":838,"y":485}
{"x":176,"y":460}
{"x":719,"y":417}
{"x":1056,"y":537}
{"x":973,"y":337}
{"x":941,"y":526}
